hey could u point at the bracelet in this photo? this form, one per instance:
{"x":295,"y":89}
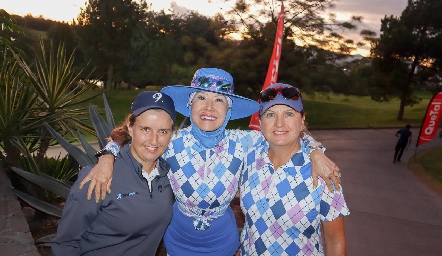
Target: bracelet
{"x":103,"y":152}
{"x":316,"y":146}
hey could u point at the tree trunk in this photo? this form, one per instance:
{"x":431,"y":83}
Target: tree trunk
{"x":400,"y":114}
{"x":110,"y":74}
{"x":12,"y":154}
{"x":406,"y":90}
{"x":44,"y":145}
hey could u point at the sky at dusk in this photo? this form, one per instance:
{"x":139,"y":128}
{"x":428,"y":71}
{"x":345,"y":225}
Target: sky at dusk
{"x":372,"y":11}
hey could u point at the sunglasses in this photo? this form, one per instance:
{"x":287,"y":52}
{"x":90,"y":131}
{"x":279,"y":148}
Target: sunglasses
{"x":290,"y":93}
{"x":213,"y":83}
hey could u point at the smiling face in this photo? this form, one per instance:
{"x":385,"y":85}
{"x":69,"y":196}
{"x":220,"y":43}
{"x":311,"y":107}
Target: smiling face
{"x":281,"y":125}
{"x":151,"y":134}
{"x":209,"y":110}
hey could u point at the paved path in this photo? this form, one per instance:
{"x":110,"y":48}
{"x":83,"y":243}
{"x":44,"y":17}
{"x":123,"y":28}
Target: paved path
{"x":392,"y":212}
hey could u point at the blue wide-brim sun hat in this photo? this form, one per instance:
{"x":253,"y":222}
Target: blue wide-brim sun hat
{"x":211,"y":80}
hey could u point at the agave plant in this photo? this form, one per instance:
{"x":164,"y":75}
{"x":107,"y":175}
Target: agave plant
{"x":84,"y":157}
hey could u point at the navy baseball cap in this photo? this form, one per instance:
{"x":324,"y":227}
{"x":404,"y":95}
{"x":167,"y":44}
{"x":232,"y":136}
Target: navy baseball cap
{"x":280,"y":94}
{"x":152,"y":99}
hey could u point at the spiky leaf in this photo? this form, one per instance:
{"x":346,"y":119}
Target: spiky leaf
{"x":101,"y":127}
{"x":90,"y":151}
{"x":81,"y":157}
{"x":38,"y":204}
{"x":55,"y":187}
{"x":109,"y":116}
{"x":45,"y":241}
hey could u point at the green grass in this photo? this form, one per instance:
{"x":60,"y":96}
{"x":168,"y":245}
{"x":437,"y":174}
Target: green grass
{"x":427,"y":166}
{"x":340,"y":111}
{"x":432,"y":162}
{"x":322,"y":111}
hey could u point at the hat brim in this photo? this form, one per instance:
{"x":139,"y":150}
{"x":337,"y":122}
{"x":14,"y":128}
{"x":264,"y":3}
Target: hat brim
{"x":140,"y":111}
{"x":242,"y":107}
{"x":280,"y":100}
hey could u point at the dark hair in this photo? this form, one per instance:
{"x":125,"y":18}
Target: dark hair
{"x":408,"y":126}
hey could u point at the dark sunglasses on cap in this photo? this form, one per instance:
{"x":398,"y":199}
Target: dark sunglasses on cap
{"x":290,"y":93}
{"x":209,"y":83}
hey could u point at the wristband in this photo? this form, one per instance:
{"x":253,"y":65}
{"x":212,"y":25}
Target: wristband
{"x":103,"y":152}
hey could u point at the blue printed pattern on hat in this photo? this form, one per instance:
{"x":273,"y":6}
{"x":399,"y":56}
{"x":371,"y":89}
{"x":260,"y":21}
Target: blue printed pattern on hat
{"x":216,"y":80}
{"x":205,"y":181}
{"x":211,"y":80}
{"x":283,"y":211}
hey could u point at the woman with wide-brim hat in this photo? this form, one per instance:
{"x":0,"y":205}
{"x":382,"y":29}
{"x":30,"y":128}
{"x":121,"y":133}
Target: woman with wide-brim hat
{"x":206,"y":162}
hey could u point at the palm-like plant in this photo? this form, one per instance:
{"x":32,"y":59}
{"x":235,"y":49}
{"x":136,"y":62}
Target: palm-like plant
{"x":17,"y":103}
{"x":61,"y":187}
{"x":84,"y":157}
{"x":60,"y":94}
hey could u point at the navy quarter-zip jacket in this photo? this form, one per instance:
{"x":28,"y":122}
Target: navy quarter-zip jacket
{"x":131,"y":220}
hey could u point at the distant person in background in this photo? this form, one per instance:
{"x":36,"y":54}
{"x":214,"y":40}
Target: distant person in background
{"x":404,"y":140}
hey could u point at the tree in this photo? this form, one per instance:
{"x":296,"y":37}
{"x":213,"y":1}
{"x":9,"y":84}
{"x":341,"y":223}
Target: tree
{"x":305,"y":22}
{"x":310,"y":37}
{"x":409,"y":47}
{"x":105,"y":29}
{"x":155,"y":49}
{"x":8,"y":27}
{"x":62,"y":33}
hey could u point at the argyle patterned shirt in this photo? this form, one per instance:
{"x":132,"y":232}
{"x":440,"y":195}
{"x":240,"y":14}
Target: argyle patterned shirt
{"x":204,"y":181}
{"x":283,"y":213}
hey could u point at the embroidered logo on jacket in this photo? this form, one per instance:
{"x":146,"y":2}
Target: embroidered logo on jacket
{"x":120,"y":196}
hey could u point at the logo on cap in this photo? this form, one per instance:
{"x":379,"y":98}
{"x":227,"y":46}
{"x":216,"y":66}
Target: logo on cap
{"x":157,"y":96}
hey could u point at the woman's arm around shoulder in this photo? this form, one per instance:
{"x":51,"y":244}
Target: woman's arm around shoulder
{"x":101,"y":175}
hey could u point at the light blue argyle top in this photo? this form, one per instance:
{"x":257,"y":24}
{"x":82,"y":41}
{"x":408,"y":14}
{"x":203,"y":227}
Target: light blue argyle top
{"x":206,"y":180}
{"x":283,"y":213}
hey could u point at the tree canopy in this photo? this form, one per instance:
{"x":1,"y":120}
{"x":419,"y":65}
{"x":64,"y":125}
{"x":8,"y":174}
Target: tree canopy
{"x":408,"y":52}
{"x":105,"y":29}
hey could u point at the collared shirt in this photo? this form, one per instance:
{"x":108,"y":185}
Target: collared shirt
{"x":283,"y":213}
{"x":151,"y":176}
{"x":203,"y":180}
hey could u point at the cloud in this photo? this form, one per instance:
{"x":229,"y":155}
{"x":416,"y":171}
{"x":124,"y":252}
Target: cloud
{"x":179,"y":9}
{"x":371,"y":11}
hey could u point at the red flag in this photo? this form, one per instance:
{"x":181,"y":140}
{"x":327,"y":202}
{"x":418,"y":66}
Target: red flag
{"x":431,"y":120}
{"x":272,"y":71}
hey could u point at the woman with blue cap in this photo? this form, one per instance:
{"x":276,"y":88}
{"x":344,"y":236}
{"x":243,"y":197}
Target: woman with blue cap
{"x":133,"y":218}
{"x":285,"y":214}
{"x":206,"y":162}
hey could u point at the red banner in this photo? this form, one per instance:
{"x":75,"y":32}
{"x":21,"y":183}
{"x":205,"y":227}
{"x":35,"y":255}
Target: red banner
{"x":431,"y":120}
{"x":272,"y":71}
